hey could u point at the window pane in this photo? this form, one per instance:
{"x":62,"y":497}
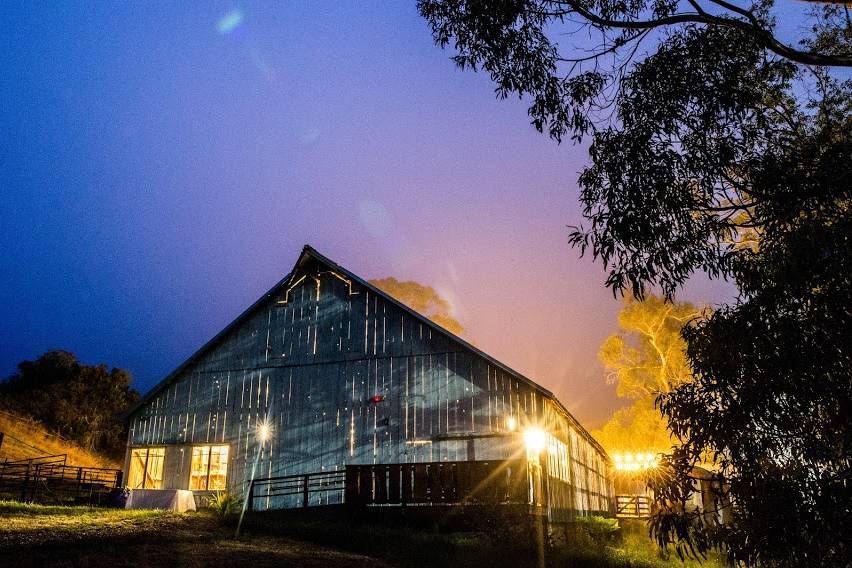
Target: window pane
{"x":136,"y":478}
{"x":198,"y":467}
{"x":154,"y":473}
{"x":218,"y":467}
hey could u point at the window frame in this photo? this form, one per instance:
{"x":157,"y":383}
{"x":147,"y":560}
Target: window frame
{"x":209,"y":455}
{"x":146,"y":464}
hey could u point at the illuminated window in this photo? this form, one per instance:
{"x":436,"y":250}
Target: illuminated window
{"x":146,"y":468}
{"x":209,"y":468}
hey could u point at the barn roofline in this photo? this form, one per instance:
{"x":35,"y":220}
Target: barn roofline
{"x":309,"y":251}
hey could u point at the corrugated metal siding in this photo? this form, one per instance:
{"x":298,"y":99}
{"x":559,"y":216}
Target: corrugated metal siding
{"x":310,"y":360}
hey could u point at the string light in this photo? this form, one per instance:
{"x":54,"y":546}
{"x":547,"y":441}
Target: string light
{"x":639,"y":461}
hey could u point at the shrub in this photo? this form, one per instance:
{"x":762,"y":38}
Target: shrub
{"x":224,"y":503}
{"x":598,"y":527}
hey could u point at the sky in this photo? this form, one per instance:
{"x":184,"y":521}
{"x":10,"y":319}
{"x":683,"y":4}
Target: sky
{"x":162,"y":165}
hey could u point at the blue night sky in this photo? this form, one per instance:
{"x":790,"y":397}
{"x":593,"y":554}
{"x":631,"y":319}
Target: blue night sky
{"x":162,"y":166}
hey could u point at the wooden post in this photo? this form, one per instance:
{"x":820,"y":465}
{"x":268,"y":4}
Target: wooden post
{"x":350,"y":492}
{"x":25,"y":483}
{"x":305,"y":490}
{"x":79,"y":483}
{"x":250,"y":498}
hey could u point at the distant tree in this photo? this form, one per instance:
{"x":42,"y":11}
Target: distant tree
{"x":80,"y":402}
{"x":646,"y":358}
{"x":636,"y":427}
{"x":716,"y":147}
{"x":423,"y":300}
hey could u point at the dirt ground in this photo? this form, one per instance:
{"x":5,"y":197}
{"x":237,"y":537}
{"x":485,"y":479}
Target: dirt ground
{"x":68,"y":537}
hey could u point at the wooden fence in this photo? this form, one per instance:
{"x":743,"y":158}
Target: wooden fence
{"x":48,"y":479}
{"x":296,"y":489}
{"x":632,"y":506}
{"x":485,"y":482}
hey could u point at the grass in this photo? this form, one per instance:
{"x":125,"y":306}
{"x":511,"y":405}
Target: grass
{"x":633,"y":549}
{"x":27,"y":438}
{"x":38,"y":535}
{"x":499,"y":547}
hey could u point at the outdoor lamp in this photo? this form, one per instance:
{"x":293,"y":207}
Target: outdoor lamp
{"x":535,"y":440}
{"x":264,"y":431}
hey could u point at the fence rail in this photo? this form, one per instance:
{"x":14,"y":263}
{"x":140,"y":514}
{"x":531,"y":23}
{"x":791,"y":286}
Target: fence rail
{"x":58,"y":459}
{"x":303,"y":485}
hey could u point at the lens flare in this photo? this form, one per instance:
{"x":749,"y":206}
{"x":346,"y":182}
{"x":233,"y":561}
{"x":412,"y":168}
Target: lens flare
{"x":535,"y":440}
{"x":264,"y":431}
{"x":229,"y":22}
{"x":375,"y":218}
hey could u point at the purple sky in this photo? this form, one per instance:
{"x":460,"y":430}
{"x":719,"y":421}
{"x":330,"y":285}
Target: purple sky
{"x":161,"y":167}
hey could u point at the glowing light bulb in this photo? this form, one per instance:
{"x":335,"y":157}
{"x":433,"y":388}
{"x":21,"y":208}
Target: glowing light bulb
{"x":264,"y":431}
{"x":511,"y":424}
{"x":535,"y":440}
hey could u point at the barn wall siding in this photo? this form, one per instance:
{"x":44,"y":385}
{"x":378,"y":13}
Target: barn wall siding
{"x":311,"y":359}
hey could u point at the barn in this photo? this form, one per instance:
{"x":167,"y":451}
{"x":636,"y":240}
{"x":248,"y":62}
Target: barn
{"x":328,"y":391}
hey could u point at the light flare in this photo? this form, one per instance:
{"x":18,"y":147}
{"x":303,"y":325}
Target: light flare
{"x":535,"y":440}
{"x":264,"y":431}
{"x":638,"y":461}
{"x":229,"y":22}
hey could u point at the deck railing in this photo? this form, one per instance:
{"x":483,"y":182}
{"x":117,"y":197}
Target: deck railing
{"x":463,"y":482}
{"x":296,"y":489}
{"x":433,"y":483}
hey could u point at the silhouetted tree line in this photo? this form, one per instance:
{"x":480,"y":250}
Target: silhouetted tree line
{"x":81,"y":403}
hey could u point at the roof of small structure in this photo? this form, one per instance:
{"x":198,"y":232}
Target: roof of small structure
{"x":308,"y":253}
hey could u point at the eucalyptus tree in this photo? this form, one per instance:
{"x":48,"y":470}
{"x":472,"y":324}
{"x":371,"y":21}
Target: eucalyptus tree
{"x":645,"y":358}
{"x":717,"y":145}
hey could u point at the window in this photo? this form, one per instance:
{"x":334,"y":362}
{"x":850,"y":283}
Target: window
{"x":209,"y":468}
{"x":146,"y":468}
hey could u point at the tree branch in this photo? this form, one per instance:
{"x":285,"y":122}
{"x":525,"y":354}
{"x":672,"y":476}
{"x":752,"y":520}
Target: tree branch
{"x":752,"y":27}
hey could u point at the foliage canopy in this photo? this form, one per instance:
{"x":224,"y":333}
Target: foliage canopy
{"x":424,"y":300}
{"x":80,"y":402}
{"x":646,"y":358}
{"x":716,"y":147}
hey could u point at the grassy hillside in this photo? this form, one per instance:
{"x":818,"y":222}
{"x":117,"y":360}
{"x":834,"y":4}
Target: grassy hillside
{"x":26,"y":438}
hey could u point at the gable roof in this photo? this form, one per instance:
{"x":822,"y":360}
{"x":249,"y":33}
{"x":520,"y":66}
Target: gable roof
{"x":308,"y":252}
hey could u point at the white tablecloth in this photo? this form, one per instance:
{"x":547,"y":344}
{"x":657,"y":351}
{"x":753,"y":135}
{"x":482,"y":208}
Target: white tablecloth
{"x":171,"y":499}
